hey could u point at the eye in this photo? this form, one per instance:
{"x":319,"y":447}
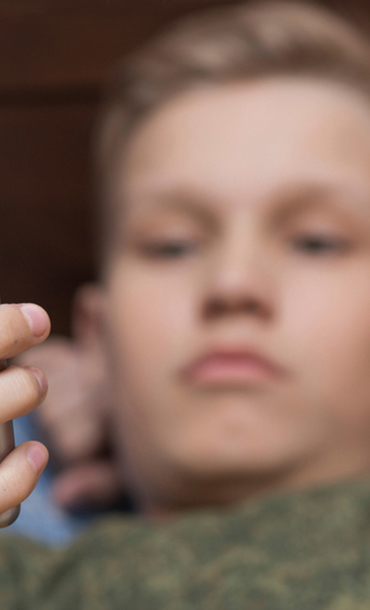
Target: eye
{"x":169,"y":249}
{"x":316,"y":244}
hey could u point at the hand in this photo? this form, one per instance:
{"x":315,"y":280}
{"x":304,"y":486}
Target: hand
{"x":75,"y":420}
{"x":21,"y":390}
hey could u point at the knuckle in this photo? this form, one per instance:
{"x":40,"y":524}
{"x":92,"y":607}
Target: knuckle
{"x":19,"y":386}
{"x":15,"y":334}
{"x":14,"y":488}
{"x":17,"y":477}
{"x":29,"y":388}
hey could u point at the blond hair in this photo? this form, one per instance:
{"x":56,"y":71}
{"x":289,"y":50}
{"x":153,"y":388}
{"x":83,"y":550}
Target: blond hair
{"x":220,"y":45}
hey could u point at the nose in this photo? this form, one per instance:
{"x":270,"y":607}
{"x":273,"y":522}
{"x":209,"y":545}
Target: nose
{"x":240,"y":281}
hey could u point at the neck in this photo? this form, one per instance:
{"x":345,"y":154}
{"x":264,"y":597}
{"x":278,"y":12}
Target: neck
{"x":222,"y":494}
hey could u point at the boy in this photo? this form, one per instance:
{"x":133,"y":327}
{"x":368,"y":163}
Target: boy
{"x":234,"y":318}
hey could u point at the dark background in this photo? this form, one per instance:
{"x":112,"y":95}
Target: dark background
{"x":54,"y":57}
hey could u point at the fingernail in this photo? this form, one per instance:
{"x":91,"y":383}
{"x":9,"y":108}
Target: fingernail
{"x":36,"y":317}
{"x":41,"y":379}
{"x":37,"y":455}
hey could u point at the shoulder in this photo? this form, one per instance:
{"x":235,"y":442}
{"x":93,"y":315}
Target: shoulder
{"x":300,"y":550}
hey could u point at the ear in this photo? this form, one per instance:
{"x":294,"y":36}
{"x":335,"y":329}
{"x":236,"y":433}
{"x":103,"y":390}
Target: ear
{"x":87,"y":323}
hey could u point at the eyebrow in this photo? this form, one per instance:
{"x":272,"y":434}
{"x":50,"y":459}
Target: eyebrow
{"x":320,"y":196}
{"x":193,"y":204}
{"x":289,"y":202}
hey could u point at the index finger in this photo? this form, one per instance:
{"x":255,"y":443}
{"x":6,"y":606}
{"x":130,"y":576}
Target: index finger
{"x":21,"y":327}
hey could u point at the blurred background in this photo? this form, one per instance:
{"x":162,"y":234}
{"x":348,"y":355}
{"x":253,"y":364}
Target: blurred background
{"x":54,"y":58}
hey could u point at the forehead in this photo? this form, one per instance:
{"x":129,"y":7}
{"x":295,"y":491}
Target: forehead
{"x":249,"y":139}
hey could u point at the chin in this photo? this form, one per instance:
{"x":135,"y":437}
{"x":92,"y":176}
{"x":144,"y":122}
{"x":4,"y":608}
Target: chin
{"x":233,"y":458}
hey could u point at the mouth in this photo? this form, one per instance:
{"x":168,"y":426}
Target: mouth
{"x":238,"y":367}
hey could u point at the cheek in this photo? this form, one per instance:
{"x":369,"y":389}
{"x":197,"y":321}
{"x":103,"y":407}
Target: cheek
{"x":327,"y":325}
{"x":151,"y":317}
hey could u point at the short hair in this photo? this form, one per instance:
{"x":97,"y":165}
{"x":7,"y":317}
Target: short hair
{"x":221,"y":45}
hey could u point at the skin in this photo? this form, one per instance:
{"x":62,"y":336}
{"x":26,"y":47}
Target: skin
{"x":22,"y":388}
{"x":74,"y":417}
{"x":278,"y":260}
{"x":266,"y":186}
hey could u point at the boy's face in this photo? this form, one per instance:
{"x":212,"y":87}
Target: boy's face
{"x":243,"y":232}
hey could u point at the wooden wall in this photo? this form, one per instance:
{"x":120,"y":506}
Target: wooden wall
{"x":54,"y":56}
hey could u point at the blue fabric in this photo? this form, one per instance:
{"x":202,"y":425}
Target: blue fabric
{"x":40,"y":519}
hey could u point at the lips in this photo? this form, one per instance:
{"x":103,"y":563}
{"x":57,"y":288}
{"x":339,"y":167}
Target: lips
{"x":230,"y":366}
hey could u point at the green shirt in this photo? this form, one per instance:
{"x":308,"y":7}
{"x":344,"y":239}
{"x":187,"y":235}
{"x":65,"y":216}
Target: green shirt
{"x":304,"y":550}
